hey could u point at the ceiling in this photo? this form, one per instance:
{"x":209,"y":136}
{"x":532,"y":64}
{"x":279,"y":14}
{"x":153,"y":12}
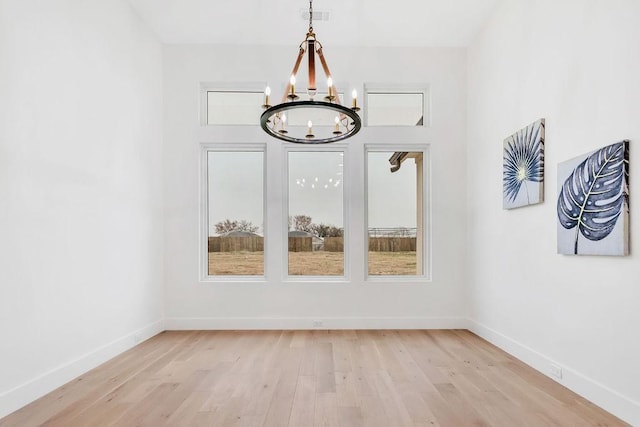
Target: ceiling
{"x":350,"y":23}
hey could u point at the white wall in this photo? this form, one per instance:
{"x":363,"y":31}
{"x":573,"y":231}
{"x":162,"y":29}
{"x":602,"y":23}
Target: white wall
{"x":576,"y":64}
{"x":193,"y":304}
{"x":80,"y":195}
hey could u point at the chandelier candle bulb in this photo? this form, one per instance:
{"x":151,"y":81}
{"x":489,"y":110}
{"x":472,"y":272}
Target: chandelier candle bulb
{"x":292,"y":82}
{"x":283,"y":122}
{"x":355,"y":102}
{"x":330,"y":87}
{"x":310,"y":130}
{"x":337,"y":131}
{"x":267,"y":93}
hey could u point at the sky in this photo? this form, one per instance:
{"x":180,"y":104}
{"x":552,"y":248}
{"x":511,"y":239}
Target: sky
{"x":316,"y":182}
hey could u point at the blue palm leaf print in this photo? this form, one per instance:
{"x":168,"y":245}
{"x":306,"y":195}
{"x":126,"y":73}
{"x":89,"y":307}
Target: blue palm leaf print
{"x":523,"y":160}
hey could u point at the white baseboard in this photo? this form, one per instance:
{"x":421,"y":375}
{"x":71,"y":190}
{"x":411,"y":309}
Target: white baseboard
{"x":606,"y":398}
{"x":255,"y":323}
{"x":21,"y":395}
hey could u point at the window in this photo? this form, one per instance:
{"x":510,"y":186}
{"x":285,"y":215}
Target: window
{"x":395,"y":213}
{"x":396,"y":106}
{"x":316,"y":213}
{"x":233,"y":107}
{"x":235,"y":244}
{"x":274,"y":212}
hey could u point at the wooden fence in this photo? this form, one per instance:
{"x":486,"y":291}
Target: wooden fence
{"x":334,"y":244}
{"x":305,"y":244}
{"x":236,"y":244}
{"x":300,"y":244}
{"x":392,"y":244}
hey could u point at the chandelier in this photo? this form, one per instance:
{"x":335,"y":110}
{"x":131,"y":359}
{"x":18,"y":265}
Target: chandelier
{"x":346,"y":121}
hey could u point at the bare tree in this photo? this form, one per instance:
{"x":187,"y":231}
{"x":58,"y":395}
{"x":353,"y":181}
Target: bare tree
{"x":227,"y":225}
{"x":326,"y":230}
{"x":247,"y":226}
{"x":302,"y":223}
{"x":334,"y":231}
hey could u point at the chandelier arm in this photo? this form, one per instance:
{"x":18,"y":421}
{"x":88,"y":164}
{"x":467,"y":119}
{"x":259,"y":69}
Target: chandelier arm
{"x":323,"y":61}
{"x":325,"y":67}
{"x":296,"y":66}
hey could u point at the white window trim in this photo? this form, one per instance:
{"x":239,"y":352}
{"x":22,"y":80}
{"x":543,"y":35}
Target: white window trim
{"x":334,"y":147}
{"x":426,"y":210}
{"x":205,"y":149}
{"x":424,"y":89}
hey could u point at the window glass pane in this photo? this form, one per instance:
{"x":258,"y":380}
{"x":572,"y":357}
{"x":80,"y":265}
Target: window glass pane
{"x":234,"y":108}
{"x":316,"y":214}
{"x":395,"y":109}
{"x":235,"y":206}
{"x":395,"y":213}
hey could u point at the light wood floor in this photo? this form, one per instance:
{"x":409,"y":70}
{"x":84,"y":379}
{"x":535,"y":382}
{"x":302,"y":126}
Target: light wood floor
{"x":313,"y":378}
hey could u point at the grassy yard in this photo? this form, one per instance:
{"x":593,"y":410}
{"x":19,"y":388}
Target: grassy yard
{"x":318,"y":263}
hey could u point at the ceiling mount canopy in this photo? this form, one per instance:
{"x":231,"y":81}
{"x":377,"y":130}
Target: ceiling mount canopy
{"x":275,"y":120}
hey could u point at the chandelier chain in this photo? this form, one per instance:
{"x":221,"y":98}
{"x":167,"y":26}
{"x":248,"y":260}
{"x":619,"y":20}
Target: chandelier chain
{"x":310,"y":16}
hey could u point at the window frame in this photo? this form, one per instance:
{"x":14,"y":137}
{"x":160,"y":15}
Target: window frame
{"x":426,"y":232}
{"x":205,"y":149}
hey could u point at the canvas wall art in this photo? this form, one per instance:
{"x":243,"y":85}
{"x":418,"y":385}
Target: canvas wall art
{"x":523,"y":167}
{"x":593,"y":202}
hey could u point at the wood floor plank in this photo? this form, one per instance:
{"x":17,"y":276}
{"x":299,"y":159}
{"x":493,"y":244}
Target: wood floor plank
{"x":422,"y":354}
{"x":326,"y":410}
{"x":416,"y":379}
{"x":462,"y":406}
{"x":350,"y":416}
{"x":305,"y":378}
{"x":324,"y":369}
{"x":346,"y":389}
{"x":372,"y":411}
{"x":185,"y":414}
{"x":445,"y":413}
{"x":280,"y":408}
{"x":392,"y":403}
{"x":341,"y":354}
{"x":304,"y":402}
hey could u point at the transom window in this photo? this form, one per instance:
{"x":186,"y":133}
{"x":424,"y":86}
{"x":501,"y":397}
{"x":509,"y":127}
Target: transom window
{"x":233,"y":107}
{"x":396,"y":106}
